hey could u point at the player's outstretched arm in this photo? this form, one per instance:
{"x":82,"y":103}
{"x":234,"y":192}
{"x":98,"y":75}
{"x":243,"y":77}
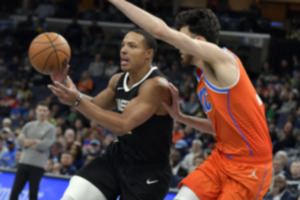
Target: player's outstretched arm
{"x":208,"y":52}
{"x":174,"y":110}
{"x":137,"y":111}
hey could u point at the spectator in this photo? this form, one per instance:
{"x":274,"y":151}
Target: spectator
{"x":45,"y":9}
{"x":17,"y":159}
{"x":286,"y":140}
{"x":94,"y":37}
{"x":76,"y":152}
{"x":8,"y":158}
{"x":6,"y":122}
{"x":294,"y":177}
{"x":278,"y":167}
{"x":3,"y":149}
{"x":56,"y":150}
{"x":177,"y":170}
{"x":85,"y":84}
{"x":110,"y":68}
{"x":74,"y":35}
{"x":196,"y":150}
{"x":49,"y":166}
{"x":280,"y":191}
{"x":97,"y":67}
{"x":177,"y":132}
{"x":284,"y":157}
{"x":70,"y":137}
{"x":182,"y":147}
{"x":66,"y":161}
{"x":56,"y":168}
{"x":289,"y":105}
{"x":197,"y":161}
{"x":95,"y":147}
{"x":6,"y":134}
{"x":189,"y":135}
{"x":192,"y":106}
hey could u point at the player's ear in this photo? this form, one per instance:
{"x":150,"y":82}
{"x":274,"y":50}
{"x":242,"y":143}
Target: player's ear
{"x":150,"y":53}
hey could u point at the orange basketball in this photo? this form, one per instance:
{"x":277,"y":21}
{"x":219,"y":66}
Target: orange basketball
{"x":49,"y":53}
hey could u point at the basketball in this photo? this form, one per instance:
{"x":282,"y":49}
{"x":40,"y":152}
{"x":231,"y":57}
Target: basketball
{"x":49,"y":53}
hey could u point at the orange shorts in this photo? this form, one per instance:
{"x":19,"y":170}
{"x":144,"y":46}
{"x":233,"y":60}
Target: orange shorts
{"x":219,"y":178}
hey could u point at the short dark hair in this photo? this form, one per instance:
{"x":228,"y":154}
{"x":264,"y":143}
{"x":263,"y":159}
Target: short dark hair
{"x":42,"y":103}
{"x":150,"y":41}
{"x":201,"y":21}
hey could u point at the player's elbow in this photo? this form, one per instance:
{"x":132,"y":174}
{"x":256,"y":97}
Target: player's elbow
{"x":160,"y":30}
{"x":122,"y":129}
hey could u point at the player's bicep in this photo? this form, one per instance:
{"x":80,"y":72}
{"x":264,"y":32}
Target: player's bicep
{"x":106,"y":98}
{"x":141,"y":108}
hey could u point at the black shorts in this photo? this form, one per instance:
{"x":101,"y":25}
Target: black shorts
{"x":131,"y":181}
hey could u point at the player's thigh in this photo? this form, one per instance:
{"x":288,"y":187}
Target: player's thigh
{"x":250,"y":181}
{"x":205,"y":181}
{"x":145,"y":184}
{"x":102,"y":174}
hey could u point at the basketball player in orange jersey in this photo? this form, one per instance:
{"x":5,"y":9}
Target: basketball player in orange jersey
{"x":240,"y":168}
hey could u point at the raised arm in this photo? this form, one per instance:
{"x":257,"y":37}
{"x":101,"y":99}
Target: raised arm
{"x":220,"y":67}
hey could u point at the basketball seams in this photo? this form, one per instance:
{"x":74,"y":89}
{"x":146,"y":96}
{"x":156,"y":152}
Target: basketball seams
{"x":45,"y":65}
{"x":57,"y":59}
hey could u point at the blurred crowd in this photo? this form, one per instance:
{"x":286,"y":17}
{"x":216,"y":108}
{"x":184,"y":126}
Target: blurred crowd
{"x":79,"y":140}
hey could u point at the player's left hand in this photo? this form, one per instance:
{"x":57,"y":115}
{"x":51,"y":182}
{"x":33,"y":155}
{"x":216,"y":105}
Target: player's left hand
{"x":65,"y":95}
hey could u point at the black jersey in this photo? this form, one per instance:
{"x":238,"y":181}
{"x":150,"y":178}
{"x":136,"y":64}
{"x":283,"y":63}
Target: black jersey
{"x":150,"y":142}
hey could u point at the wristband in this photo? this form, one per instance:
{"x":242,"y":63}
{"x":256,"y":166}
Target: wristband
{"x":78,"y":100}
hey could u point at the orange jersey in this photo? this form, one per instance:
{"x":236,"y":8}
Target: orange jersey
{"x":238,"y":117}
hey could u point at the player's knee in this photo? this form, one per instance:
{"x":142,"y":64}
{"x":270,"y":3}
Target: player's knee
{"x":186,"y":193}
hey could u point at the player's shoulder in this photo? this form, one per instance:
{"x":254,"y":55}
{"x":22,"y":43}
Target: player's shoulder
{"x":157,"y":81}
{"x":113,"y":81}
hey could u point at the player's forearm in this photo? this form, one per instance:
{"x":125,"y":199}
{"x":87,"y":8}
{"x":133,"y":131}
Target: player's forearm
{"x":201,"y":124}
{"x":145,"y":20}
{"x":29,"y":142}
{"x":108,"y":119}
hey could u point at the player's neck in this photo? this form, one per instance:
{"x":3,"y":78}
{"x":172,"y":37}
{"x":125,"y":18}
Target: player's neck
{"x":41,"y":120}
{"x":136,"y":76}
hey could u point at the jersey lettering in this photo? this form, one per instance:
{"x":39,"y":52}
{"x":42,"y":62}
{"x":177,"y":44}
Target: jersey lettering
{"x":205,"y":104}
{"x":122,"y":104}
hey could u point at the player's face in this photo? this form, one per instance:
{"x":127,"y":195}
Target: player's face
{"x":186,"y":58}
{"x":42,"y":112}
{"x":133,"y":52}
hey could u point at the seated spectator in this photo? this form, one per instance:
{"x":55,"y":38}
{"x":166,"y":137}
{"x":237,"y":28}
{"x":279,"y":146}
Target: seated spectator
{"x":95,"y":147}
{"x":177,"y":170}
{"x":45,"y":9}
{"x":189,"y":135}
{"x":17,"y":159}
{"x":8,"y":159}
{"x":70,"y":137}
{"x":198,"y":160}
{"x":278,"y":167}
{"x":290,"y":104}
{"x":284,"y":156}
{"x":55,"y":151}
{"x":3,"y":149}
{"x":110,"y":68}
{"x":49,"y":166}
{"x":294,"y":177}
{"x":182,"y":147}
{"x":286,"y":139}
{"x":280,"y":191}
{"x":196,"y":150}
{"x":177,"y":132}
{"x":74,"y":34}
{"x":97,"y":67}
{"x":6,"y":122}
{"x":192,"y":106}
{"x":6,"y":134}
{"x":85,"y":84}
{"x":66,"y":161}
{"x":76,"y":152}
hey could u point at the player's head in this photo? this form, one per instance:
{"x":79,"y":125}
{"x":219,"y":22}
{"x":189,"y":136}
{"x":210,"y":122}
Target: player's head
{"x":138,"y":49}
{"x":198,"y":23}
{"x":42,"y":111}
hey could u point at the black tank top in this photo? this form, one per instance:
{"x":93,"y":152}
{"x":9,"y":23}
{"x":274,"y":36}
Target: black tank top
{"x":150,"y":142}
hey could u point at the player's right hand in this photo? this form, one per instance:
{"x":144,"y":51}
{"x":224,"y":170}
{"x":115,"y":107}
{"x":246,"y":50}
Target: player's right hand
{"x":61,"y":76}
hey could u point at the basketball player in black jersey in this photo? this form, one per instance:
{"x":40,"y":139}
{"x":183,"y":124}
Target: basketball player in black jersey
{"x":137,"y":165}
